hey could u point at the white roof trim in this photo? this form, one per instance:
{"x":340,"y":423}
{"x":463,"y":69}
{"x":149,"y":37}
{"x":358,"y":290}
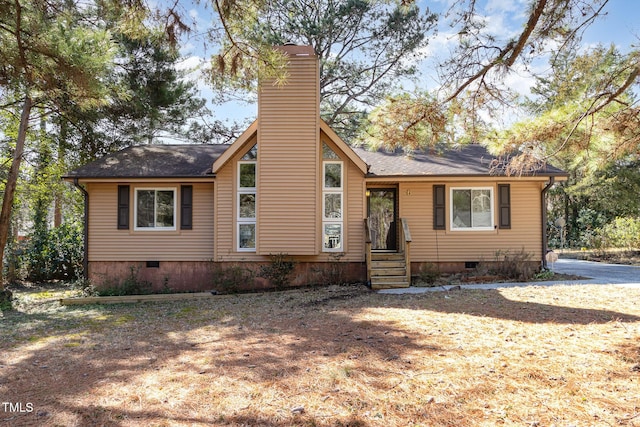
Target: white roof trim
{"x":237,"y":145}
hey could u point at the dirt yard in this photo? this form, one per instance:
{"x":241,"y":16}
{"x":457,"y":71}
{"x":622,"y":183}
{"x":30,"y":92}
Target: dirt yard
{"x":336,"y":356}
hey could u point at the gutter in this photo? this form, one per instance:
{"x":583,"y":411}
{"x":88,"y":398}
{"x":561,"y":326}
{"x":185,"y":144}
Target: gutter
{"x":85,"y":258}
{"x":543,"y":207}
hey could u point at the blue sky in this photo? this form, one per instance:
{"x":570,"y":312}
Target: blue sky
{"x":620,"y":25}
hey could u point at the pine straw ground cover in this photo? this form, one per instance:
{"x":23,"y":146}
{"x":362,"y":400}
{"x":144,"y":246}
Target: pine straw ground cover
{"x":334,"y":356}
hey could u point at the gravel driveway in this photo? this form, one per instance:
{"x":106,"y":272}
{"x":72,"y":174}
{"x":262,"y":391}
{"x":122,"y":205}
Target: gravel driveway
{"x":594,"y":273}
{"x":599,"y":272}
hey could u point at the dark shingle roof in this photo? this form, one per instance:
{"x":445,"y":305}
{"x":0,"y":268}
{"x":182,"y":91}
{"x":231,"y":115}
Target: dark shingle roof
{"x":154,"y":161}
{"x":191,"y":161}
{"x":469,"y":160}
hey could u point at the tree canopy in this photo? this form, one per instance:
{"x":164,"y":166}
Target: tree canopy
{"x":365,"y":48}
{"x":48,"y":55}
{"x":471,"y":99}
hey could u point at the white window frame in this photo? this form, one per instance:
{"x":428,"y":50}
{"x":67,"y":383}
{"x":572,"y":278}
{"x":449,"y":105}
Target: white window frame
{"x":333,"y":221}
{"x":324,"y":177}
{"x":325,"y":237}
{"x":324,"y":210}
{"x":492,"y":202}
{"x":155,"y":213}
{"x":247,"y":162}
{"x":244,"y":220}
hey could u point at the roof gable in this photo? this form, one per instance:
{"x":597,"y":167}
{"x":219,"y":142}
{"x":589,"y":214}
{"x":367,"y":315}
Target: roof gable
{"x":343,"y":146}
{"x":235,"y":147}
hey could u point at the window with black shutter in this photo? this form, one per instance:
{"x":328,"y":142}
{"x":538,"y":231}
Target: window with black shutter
{"x":186,"y":207}
{"x":504,"y":205}
{"x":123,"y":207}
{"x":439,"y":222}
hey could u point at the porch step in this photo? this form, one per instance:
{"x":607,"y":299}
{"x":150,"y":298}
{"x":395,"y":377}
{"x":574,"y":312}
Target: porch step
{"x":388,"y":270}
{"x":387,"y":264}
{"x":387,"y":256}
{"x":377,"y":286}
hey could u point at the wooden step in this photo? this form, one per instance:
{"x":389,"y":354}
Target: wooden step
{"x":383,"y":256}
{"x":388,"y":285}
{"x":389,"y":279}
{"x":388,"y":271}
{"x":387,"y":264}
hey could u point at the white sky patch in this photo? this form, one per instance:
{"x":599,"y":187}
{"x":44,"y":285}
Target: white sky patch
{"x":442,"y":42}
{"x":191,"y":64}
{"x":501,"y":26}
{"x":506,"y":6}
{"x":520,"y":80}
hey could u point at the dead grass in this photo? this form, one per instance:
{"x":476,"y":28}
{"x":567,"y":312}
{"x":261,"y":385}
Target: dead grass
{"x":335,"y":356}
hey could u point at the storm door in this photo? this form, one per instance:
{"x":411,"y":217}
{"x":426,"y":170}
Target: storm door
{"x":383,"y":219}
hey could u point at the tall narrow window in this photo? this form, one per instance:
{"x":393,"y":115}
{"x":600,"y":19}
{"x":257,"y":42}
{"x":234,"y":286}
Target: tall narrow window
{"x":246,"y":206}
{"x":332,"y":201}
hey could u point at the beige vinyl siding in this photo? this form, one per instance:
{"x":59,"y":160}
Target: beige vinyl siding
{"x":355,"y":205}
{"x":288,"y":135}
{"x":224,"y":212}
{"x":429,"y":245}
{"x":107,"y":243}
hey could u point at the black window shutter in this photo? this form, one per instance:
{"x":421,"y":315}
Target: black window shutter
{"x":186,"y":207}
{"x":439,"y":222}
{"x":123,"y":207}
{"x":504,"y":204}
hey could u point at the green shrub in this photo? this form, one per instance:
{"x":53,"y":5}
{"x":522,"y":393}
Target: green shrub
{"x":54,"y":254}
{"x":428,"y":273}
{"x":131,"y":285}
{"x":230,"y":278}
{"x":513,"y":265}
{"x":332,"y":272}
{"x":6,"y":298}
{"x":621,"y":233}
{"x":278,"y":270}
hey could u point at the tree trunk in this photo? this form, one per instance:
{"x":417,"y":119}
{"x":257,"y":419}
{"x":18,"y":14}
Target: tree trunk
{"x":12,"y":180}
{"x":57,"y":201}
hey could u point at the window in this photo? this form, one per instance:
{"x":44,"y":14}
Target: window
{"x":332,"y":194}
{"x":246,"y":205}
{"x":472,"y":209}
{"x":155,"y":209}
{"x":332,"y":175}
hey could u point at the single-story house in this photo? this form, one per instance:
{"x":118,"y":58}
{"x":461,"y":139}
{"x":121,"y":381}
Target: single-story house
{"x":290,"y":185}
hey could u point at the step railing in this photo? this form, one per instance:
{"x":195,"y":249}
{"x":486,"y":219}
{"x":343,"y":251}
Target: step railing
{"x":367,"y":249}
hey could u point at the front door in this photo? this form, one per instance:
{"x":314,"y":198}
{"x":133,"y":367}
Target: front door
{"x":382,"y":219}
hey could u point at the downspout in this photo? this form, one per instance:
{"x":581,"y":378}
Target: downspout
{"x":85,"y":258}
{"x":543,"y":204}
